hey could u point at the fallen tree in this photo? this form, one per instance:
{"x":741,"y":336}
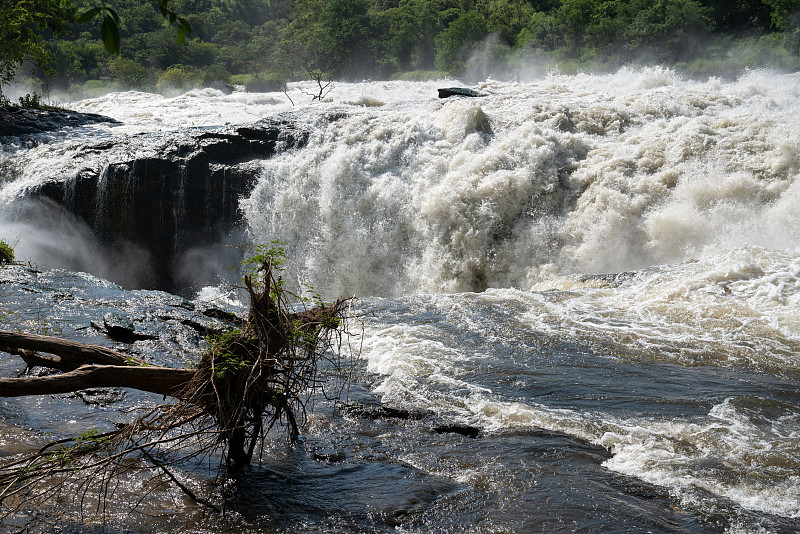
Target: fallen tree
{"x":248,"y":379}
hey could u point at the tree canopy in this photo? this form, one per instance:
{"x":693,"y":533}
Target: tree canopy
{"x":23,"y":27}
{"x":260,"y":44}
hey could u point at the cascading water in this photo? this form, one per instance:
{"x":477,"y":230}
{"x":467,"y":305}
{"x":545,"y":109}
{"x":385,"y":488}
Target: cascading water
{"x":601,"y":273}
{"x":572,"y":175}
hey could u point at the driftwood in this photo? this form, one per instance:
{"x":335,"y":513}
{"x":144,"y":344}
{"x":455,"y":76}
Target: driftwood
{"x":70,"y":352}
{"x":160,"y":380}
{"x":85,"y":366}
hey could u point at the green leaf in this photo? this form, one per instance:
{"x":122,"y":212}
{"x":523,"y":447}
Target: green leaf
{"x":89,"y":15}
{"x":181,"y":35}
{"x":187,"y":28}
{"x":113,"y":14}
{"x":110,"y":33}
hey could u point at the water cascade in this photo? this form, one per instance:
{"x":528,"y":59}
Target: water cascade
{"x":599,"y":274}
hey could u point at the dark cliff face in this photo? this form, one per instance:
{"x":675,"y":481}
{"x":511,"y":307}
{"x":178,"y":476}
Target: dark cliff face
{"x":167,"y":194}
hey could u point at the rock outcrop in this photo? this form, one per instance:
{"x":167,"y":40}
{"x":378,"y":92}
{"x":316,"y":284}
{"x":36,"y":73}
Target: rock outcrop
{"x":23,"y":121}
{"x":168,"y":193}
{"x":447,"y":92}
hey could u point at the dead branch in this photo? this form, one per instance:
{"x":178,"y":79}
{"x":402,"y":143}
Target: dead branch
{"x":69,"y":351}
{"x":247,"y":380}
{"x":160,"y":380}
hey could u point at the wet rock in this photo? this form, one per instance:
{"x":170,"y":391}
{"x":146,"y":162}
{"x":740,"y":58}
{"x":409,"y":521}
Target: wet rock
{"x":329,"y":455}
{"x":101,"y":396}
{"x":225,"y":316}
{"x":120,"y":328}
{"x":447,"y":92}
{"x":369,"y":411}
{"x":15,"y":122}
{"x":167,"y":194}
{"x":463,"y":430}
{"x":118,"y":324}
{"x":380,"y":411}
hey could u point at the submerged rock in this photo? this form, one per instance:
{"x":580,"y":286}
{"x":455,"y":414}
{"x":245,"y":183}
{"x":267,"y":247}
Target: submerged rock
{"x":453,"y":428}
{"x":100,"y":396}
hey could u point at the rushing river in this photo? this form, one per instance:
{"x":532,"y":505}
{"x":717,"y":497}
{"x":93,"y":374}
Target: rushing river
{"x":600,"y":273}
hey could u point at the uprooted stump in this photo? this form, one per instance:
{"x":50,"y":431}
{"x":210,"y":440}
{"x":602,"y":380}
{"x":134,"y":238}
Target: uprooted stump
{"x":247,"y":380}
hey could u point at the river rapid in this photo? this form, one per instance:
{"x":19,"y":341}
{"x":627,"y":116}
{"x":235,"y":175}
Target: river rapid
{"x":598,"y":273}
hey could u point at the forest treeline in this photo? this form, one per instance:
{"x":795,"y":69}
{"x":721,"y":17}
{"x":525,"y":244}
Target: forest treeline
{"x":263,"y":43}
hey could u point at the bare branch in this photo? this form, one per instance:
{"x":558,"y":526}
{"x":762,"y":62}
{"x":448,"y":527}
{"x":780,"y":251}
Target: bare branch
{"x":160,"y":380}
{"x":71,"y":351}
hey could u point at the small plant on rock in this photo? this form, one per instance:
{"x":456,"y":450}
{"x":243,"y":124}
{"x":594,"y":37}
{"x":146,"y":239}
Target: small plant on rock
{"x":6,"y":252}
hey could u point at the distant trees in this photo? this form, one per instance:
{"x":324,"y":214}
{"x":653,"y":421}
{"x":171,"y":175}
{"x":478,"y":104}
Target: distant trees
{"x":23,"y":25}
{"x":259,"y":43}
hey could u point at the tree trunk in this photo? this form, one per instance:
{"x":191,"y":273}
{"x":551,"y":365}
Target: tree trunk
{"x":115,"y":369}
{"x":70,"y":351}
{"x":160,"y":380}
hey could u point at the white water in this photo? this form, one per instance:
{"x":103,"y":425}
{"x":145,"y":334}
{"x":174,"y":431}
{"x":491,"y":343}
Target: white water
{"x":416,"y":196}
{"x":408,"y":193}
{"x":690,"y":189}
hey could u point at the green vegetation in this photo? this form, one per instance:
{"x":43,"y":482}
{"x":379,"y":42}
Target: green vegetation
{"x":23,"y":27}
{"x":263,"y":44}
{"x":6,"y":252}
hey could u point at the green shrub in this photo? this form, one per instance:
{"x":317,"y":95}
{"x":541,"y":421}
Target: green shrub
{"x":241,"y":79}
{"x":180,"y":77}
{"x":31,"y":101}
{"x":6,"y":253}
{"x":95,"y":88}
{"x":130,"y":73}
{"x":265,"y":82}
{"x":215,"y":75}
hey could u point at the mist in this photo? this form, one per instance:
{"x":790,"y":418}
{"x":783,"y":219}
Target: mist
{"x":44,"y":235}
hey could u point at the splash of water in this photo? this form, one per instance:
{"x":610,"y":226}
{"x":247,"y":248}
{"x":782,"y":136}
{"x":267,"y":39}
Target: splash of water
{"x":569,"y":174}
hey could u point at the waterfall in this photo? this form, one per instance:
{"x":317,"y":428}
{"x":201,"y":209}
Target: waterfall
{"x":581,"y":174}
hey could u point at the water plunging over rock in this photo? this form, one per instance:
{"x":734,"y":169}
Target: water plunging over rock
{"x":165,"y":194}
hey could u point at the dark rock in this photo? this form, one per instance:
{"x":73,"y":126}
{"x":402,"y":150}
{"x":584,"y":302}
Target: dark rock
{"x":100,"y":396}
{"x":120,"y":328}
{"x":222,"y":315}
{"x":370,"y":411}
{"x":447,"y":92}
{"x":118,"y":325}
{"x":463,"y":430}
{"x":179,"y":192}
{"x":22,"y":121}
{"x":327,"y":455}
{"x":380,"y":411}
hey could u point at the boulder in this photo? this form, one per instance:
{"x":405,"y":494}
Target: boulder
{"x":447,"y":92}
{"x":16,"y":121}
{"x":167,"y":193}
